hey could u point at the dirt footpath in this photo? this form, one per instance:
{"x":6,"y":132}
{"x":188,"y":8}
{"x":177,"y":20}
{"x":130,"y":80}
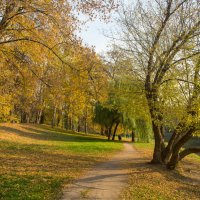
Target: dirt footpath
{"x":105,"y":181}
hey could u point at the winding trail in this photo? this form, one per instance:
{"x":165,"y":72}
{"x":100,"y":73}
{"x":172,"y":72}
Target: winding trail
{"x":105,"y":181}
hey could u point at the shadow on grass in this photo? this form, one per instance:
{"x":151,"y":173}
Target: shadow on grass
{"x":39,"y":158}
{"x":51,"y":135}
{"x":30,"y":169}
{"x":146,"y":167}
{"x":158,"y":176}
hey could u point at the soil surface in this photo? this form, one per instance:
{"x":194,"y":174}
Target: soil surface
{"x":106,"y":181}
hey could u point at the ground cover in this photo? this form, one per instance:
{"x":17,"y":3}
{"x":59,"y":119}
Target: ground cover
{"x":36,"y":161}
{"x":154,"y":182}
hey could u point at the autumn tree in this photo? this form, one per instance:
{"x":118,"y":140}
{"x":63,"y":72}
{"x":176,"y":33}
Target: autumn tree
{"x":162,"y":39}
{"x":47,"y":74}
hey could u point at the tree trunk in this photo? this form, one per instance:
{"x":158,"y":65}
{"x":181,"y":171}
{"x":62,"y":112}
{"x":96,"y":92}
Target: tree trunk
{"x":54,"y":117}
{"x":79,"y":126}
{"x":102,"y":130}
{"x":85,"y":127}
{"x":115,"y":130}
{"x":58,"y":120}
{"x":86,"y":121}
{"x":159,"y":146}
{"x":65,"y":121}
{"x":72,"y":124}
{"x":23,"y":117}
{"x":39,"y":115}
{"x":109,"y":133}
{"x":188,"y":151}
{"x":27,"y":118}
{"x":133,"y":136}
{"x":175,"y":151}
{"x":152,"y":98}
{"x":42,"y":118}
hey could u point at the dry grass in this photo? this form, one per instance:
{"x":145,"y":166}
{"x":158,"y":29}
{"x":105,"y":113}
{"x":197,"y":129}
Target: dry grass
{"x":35,"y":161}
{"x":151,"y":182}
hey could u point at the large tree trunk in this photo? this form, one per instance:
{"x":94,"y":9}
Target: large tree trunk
{"x":152,"y":98}
{"x":115,"y":130}
{"x":159,"y":146}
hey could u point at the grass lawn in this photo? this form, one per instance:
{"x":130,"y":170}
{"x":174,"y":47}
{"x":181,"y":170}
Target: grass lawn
{"x":154,"y":182}
{"x":35,"y":161}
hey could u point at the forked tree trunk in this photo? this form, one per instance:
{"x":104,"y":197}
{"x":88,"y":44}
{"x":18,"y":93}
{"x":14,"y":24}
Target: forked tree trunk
{"x":175,"y":156}
{"x":39,"y":116}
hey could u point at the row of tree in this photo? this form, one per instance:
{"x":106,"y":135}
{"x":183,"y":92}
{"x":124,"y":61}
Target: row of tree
{"x":46,"y":74}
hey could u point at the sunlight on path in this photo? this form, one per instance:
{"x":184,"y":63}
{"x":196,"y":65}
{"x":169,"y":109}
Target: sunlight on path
{"x":105,"y":181}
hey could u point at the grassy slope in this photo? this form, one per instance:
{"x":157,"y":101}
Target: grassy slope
{"x":151,"y":182}
{"x":35,"y":161}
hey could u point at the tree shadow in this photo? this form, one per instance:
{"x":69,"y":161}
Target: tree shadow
{"x":145,"y":167}
{"x":51,"y":135}
{"x":33,"y":158}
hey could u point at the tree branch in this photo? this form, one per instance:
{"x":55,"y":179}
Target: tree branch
{"x":188,"y":151}
{"x":182,"y":80}
{"x":40,"y":43}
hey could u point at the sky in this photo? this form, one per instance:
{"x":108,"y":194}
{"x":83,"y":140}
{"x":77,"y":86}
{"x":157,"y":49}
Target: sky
{"x":93,"y":34}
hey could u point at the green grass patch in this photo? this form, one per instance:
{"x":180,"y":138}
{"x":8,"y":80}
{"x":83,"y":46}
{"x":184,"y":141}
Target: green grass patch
{"x":148,"y":146}
{"x":33,"y":187}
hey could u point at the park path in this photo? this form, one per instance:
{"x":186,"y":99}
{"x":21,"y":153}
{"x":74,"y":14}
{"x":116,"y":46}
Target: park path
{"x":105,"y":181}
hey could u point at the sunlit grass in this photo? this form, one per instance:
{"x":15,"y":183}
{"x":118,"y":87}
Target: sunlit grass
{"x":35,"y":161}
